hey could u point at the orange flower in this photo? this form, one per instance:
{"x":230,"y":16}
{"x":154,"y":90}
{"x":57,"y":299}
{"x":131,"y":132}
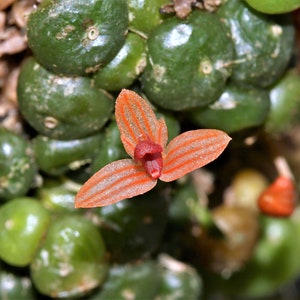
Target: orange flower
{"x":279,"y":198}
{"x":145,"y":140}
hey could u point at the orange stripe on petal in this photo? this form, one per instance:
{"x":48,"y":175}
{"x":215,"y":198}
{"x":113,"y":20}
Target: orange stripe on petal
{"x":117,"y":181}
{"x":136,"y":120}
{"x":192,"y":150}
{"x":162,"y":133}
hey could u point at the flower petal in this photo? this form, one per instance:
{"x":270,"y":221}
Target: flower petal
{"x":279,"y":199}
{"x":162,"y":133}
{"x":192,"y":150}
{"x":136,"y":120}
{"x":117,"y":181}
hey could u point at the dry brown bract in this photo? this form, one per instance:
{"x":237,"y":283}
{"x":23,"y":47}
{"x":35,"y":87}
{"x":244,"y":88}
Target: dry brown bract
{"x":182,"y":8}
{"x":12,"y":27}
{"x":12,"y":42}
{"x":5,"y":3}
{"x":13,"y":18}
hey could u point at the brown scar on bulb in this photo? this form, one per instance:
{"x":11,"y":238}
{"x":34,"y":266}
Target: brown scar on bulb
{"x":182,"y":8}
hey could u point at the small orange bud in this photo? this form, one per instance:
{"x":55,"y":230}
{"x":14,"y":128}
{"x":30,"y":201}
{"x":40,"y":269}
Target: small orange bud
{"x":279,"y":198}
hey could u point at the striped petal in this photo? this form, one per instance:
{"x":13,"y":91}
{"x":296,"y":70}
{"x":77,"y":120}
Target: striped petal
{"x":136,"y":120}
{"x":192,"y":150}
{"x":162,"y":133}
{"x":117,"y":181}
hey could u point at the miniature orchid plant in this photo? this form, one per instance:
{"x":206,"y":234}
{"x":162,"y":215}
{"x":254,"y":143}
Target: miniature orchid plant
{"x":145,"y":139}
